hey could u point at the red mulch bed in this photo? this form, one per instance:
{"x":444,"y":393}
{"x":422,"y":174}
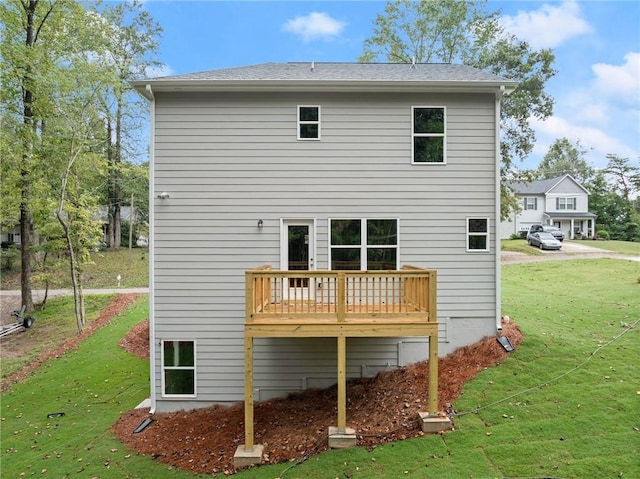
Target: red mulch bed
{"x":380,"y":409}
{"x":115,"y":307}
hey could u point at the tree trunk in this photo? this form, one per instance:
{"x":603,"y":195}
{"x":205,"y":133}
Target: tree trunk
{"x":25,"y":169}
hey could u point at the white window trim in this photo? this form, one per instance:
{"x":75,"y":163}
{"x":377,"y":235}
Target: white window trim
{"x":442,"y":135}
{"x":194,"y":368}
{"x":565,"y":199}
{"x":535,"y":203}
{"x":300,"y":122}
{"x":363,"y":241}
{"x":469,"y":234}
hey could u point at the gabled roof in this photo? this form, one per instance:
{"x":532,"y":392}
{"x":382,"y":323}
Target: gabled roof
{"x":310,"y":76}
{"x":541,"y":187}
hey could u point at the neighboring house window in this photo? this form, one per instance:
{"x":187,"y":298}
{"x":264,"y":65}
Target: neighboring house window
{"x":308,"y":122}
{"x":565,"y":203}
{"x":364,"y":244}
{"x":178,"y":368}
{"x":428,"y":135}
{"x":530,"y":203}
{"x":477,"y":234}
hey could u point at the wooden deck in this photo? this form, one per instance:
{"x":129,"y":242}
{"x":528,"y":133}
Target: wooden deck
{"x":339,"y":304}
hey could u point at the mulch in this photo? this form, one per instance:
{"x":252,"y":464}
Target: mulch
{"x":380,"y":409}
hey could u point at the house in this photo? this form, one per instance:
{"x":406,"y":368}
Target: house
{"x":300,"y":213}
{"x":560,"y":201}
{"x":10,"y":236}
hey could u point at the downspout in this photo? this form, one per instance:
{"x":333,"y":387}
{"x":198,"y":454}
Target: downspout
{"x":152,"y":313}
{"x":497,"y":221}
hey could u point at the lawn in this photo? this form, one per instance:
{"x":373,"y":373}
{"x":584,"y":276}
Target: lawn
{"x":565,"y":404}
{"x":624,"y":247}
{"x":101,"y":271}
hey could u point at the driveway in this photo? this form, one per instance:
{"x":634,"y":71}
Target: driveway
{"x":570,"y":250}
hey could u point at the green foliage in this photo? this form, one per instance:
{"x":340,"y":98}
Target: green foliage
{"x":603,"y":234}
{"x":616,"y":214}
{"x":565,"y":157}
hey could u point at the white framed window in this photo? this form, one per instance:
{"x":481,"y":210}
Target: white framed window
{"x":531,"y":203}
{"x":477,"y":235}
{"x":178,"y":368}
{"x":308,"y":122}
{"x":428,"y":135}
{"x":363,"y":244}
{"x":566,"y":203}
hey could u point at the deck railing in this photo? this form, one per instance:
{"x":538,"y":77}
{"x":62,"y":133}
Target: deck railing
{"x":407,"y":294}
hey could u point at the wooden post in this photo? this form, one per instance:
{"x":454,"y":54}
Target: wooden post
{"x":433,"y":375}
{"x":248,"y":392}
{"x":342,"y":384}
{"x":340,"y":299}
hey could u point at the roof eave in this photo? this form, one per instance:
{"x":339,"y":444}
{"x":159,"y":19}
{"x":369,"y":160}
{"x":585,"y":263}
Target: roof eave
{"x":194,"y":86}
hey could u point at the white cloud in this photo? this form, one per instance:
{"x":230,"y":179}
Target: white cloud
{"x":316,"y":25}
{"x":549,"y":26}
{"x":622,"y":81}
{"x":598,"y":142}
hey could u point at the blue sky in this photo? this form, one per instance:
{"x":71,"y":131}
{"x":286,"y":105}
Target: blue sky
{"x":596,"y":43}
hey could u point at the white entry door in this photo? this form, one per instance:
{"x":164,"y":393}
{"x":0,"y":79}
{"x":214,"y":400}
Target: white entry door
{"x":298,"y":253}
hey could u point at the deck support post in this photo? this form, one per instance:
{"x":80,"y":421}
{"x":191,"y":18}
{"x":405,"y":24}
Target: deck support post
{"x":342,"y":384}
{"x":433,"y":375}
{"x":248,"y":454}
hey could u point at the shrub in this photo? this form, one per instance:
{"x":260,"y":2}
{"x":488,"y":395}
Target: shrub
{"x":515,"y":236}
{"x":8,"y":257}
{"x":602,"y":234}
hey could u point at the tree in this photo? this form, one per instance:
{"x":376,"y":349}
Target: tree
{"x":625,"y":176}
{"x":34,"y":45}
{"x":131,"y":40}
{"x":565,"y":157}
{"x":463,"y":31}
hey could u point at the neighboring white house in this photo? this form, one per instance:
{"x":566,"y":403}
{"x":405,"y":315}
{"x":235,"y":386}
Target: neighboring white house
{"x":11,"y":236}
{"x":313,"y":168}
{"x":560,"y":201}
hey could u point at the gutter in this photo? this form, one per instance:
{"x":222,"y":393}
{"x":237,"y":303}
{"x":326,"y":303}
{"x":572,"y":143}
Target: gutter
{"x":152,"y":322}
{"x":497,"y":225}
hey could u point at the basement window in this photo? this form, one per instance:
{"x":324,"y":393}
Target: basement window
{"x":178,"y":368}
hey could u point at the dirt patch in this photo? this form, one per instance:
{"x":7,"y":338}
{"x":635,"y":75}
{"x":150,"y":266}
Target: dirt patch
{"x":381,"y":409}
{"x":115,"y":307}
{"x":136,"y":341}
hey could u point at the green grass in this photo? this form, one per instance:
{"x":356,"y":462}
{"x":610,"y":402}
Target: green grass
{"x":100,"y":272}
{"x":537,"y":419}
{"x":625,"y":247}
{"x":56,"y":323}
{"x":519,"y":246}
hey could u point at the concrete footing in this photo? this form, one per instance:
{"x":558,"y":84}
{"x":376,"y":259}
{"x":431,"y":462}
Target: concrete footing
{"x":341,"y":440}
{"x":434,"y":424}
{"x":243,"y":458}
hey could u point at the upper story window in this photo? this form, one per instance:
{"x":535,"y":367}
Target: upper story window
{"x":478,"y":234}
{"x":530,"y":203}
{"x":364,"y":244}
{"x":308,"y":122}
{"x":428,"y":135}
{"x":566,"y":203}
{"x":178,"y":368}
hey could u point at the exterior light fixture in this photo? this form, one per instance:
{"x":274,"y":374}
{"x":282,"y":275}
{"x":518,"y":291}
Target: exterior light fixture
{"x":260,"y":223}
{"x":163,"y":196}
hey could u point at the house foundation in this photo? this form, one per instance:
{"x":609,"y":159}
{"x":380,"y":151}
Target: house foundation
{"x":433,"y":424}
{"x":341,"y":439}
{"x":245,"y":458}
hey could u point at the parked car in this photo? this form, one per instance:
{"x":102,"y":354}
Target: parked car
{"x":544,"y":240}
{"x":554,"y":230}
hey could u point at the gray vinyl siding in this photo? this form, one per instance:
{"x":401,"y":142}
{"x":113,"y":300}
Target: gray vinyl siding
{"x":228,"y":160}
